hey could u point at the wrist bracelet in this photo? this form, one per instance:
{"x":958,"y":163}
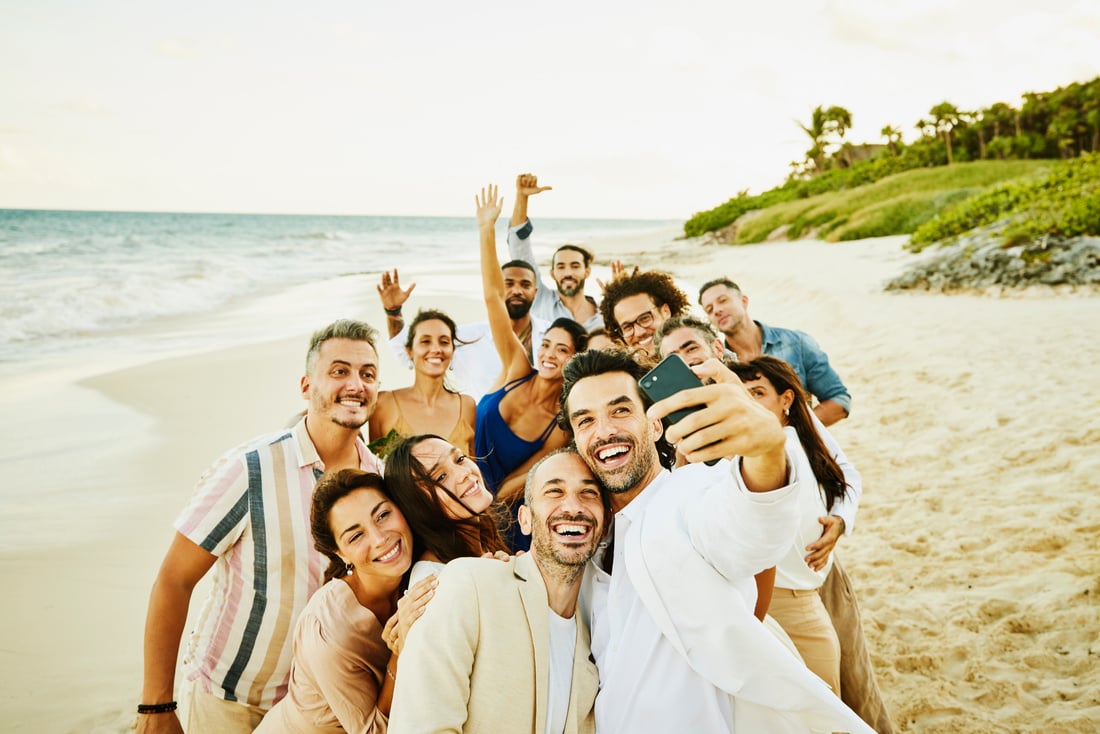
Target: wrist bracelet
{"x":393,"y":311}
{"x":157,"y":708}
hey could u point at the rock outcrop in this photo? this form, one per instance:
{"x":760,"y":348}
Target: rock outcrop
{"x":981,"y":260}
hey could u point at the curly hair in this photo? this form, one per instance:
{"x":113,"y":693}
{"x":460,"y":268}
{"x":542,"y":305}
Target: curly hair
{"x":656,"y":284}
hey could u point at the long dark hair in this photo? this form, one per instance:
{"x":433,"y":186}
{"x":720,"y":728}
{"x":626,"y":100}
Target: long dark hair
{"x":576,"y":332}
{"x":417,"y":494}
{"x":783,"y":378}
{"x":330,"y":489}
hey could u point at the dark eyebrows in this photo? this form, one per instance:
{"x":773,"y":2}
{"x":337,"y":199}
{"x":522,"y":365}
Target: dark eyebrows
{"x":614,"y":401}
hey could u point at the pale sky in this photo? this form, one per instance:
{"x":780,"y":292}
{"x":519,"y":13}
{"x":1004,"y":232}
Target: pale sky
{"x":629,"y":109}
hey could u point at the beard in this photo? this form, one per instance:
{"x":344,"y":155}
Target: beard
{"x":571,"y":290}
{"x":569,"y":561}
{"x":517,"y":308}
{"x":623,"y":478}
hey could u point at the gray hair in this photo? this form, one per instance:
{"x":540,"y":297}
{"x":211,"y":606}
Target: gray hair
{"x":341,"y":329}
{"x":702,"y":328}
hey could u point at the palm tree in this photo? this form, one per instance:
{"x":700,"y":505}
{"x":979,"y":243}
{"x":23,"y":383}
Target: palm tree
{"x":945,"y":116}
{"x":817,"y":131}
{"x":893,"y":137}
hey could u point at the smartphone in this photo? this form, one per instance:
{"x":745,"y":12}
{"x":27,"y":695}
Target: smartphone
{"x":668,"y":378}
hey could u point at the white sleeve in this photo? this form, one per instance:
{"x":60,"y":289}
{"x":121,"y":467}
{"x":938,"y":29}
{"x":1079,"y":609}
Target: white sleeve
{"x":397,"y":346}
{"x":740,"y":532}
{"x":847,"y":506}
{"x":519,"y":248}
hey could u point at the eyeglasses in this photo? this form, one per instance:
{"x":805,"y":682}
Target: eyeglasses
{"x":645,"y":321}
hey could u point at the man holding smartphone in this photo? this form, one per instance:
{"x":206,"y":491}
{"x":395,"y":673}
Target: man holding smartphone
{"x":668,"y":601}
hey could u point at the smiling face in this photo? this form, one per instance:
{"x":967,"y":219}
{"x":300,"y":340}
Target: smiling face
{"x":372,"y":535}
{"x":342,"y":385}
{"x":554,"y":351}
{"x":432,"y":347}
{"x":726,"y":308}
{"x":613,"y":435}
{"x":519,"y":291}
{"x":690,"y":345}
{"x":639,"y":318}
{"x":569,"y":272}
{"x":563,"y":513}
{"x":456,"y":473}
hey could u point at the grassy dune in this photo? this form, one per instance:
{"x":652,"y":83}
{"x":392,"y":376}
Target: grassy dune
{"x":897,"y":204}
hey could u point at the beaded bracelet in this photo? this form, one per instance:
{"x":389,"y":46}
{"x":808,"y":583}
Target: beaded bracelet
{"x":156,"y":708}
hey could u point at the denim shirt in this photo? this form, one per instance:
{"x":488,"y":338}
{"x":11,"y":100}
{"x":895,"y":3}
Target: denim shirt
{"x":801,"y":352}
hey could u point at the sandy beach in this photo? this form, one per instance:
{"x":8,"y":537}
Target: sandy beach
{"x":975,"y":424}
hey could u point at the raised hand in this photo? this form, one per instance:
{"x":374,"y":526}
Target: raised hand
{"x":527,"y":184}
{"x":488,"y":206}
{"x":390,"y":291}
{"x":618,"y":270}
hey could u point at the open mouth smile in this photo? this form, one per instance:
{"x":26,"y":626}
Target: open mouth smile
{"x":391,"y":554}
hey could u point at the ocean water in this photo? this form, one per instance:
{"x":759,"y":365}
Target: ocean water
{"x":75,"y":282}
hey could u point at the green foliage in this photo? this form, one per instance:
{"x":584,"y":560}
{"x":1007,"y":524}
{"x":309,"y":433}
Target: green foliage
{"x":1062,"y":199}
{"x":897,"y":204}
{"x":1062,"y":123}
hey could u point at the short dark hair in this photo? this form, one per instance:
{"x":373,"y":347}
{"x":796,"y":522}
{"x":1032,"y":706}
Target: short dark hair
{"x":656,"y":284}
{"x":601,"y":362}
{"x":684,"y":321}
{"x":585,"y":254}
{"x":519,"y":264}
{"x":330,"y":489}
{"x":417,"y":494}
{"x":717,"y":281}
{"x":575,"y":331}
{"x":340,"y":329}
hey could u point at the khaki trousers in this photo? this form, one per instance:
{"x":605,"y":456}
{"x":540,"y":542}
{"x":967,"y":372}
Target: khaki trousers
{"x":205,"y":713}
{"x":803,"y":617}
{"x":858,"y":687}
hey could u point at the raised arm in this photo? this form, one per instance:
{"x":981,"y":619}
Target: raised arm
{"x":527,"y":185}
{"x":513,"y":356}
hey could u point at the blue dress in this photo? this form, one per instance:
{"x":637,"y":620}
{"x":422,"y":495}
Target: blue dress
{"x":499,"y":451}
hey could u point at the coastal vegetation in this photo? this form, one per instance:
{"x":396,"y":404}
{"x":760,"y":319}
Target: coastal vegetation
{"x":967,"y":166}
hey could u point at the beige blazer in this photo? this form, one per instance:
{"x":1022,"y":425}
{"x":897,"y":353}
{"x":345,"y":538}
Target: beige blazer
{"x":478,"y":660}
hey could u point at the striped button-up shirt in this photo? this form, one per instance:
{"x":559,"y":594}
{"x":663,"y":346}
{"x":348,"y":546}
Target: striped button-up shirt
{"x":251,"y":510}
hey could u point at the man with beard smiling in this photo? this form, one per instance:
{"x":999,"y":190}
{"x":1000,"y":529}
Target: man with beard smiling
{"x":476,"y":364}
{"x":499,"y":647}
{"x":249,"y":520}
{"x":570,"y":265}
{"x":670,"y":600}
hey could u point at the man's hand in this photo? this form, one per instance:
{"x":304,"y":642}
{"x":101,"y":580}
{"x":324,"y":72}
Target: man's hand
{"x":731,"y":423}
{"x":409,"y":608}
{"x":527,"y":184}
{"x":390,"y":291}
{"x":488,"y":206}
{"x":823,"y":546}
{"x":618,"y":270}
{"x":158,"y":724}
